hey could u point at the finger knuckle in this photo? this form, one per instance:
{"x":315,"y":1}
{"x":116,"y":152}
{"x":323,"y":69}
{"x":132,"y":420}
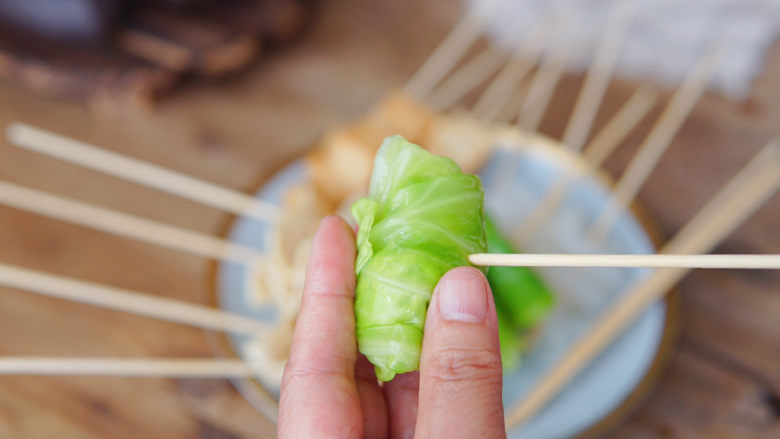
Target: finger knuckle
{"x":296,"y":371}
{"x":459,"y":364}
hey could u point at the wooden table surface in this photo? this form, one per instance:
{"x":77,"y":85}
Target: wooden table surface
{"x":724,"y":376}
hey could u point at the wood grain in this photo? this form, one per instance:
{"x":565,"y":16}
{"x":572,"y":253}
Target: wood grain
{"x":723,"y":381}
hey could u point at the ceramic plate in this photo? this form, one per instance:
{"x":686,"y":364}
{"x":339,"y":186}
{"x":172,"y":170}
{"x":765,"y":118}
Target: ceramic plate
{"x":516,"y":177}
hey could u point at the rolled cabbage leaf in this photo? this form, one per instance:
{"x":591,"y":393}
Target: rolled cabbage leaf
{"x":422,"y":217}
{"x":522,"y":299}
{"x":520,"y":294}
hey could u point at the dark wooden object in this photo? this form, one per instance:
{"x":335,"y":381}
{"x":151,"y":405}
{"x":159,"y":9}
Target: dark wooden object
{"x":62,"y":21}
{"x":143,"y":52}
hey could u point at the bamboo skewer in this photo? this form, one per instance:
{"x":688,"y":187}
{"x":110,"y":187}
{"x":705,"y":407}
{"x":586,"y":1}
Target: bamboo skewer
{"x":542,"y":87}
{"x":627,"y":260}
{"x":508,"y":112}
{"x":598,"y":77}
{"x":733,"y":204}
{"x":620,"y":126}
{"x":444,"y":57}
{"x":649,"y":153}
{"x":125,"y":367}
{"x":126,"y":225}
{"x":467,"y":78}
{"x":508,"y":104}
{"x":132,"y":302}
{"x":656,"y":143}
{"x":727,"y":209}
{"x":605,"y":141}
{"x":481,"y":67}
{"x":522,"y":60}
{"x":204,"y":245}
{"x":750,"y":188}
{"x":140,"y":172}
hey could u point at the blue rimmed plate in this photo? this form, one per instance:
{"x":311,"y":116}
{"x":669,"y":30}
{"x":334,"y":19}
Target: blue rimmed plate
{"x":517,"y":175}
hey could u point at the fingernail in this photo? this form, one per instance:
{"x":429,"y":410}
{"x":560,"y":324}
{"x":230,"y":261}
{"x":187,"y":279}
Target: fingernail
{"x":462,"y":295}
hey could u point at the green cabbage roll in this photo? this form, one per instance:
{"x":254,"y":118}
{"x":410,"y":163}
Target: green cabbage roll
{"x":511,"y":341}
{"x":519,"y":292}
{"x":522,"y":298}
{"x":422,"y":217}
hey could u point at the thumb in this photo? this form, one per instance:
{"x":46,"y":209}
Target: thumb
{"x":460,"y":366}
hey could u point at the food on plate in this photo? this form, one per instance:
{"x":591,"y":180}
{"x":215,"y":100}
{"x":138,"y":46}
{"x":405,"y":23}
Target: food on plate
{"x":278,"y":279}
{"x":339,"y":170}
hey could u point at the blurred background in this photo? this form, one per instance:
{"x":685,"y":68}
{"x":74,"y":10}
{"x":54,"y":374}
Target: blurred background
{"x":232,"y":90}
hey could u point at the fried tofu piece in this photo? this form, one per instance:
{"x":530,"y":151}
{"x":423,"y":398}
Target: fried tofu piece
{"x":341,"y":164}
{"x":462,"y":138}
{"x":400,"y":113}
{"x":302,"y":214}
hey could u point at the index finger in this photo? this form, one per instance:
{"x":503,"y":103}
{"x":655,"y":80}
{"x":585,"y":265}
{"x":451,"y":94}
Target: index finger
{"x":318,"y":394}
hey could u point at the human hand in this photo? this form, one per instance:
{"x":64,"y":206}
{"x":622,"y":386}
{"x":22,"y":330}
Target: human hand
{"x":329,"y":390}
